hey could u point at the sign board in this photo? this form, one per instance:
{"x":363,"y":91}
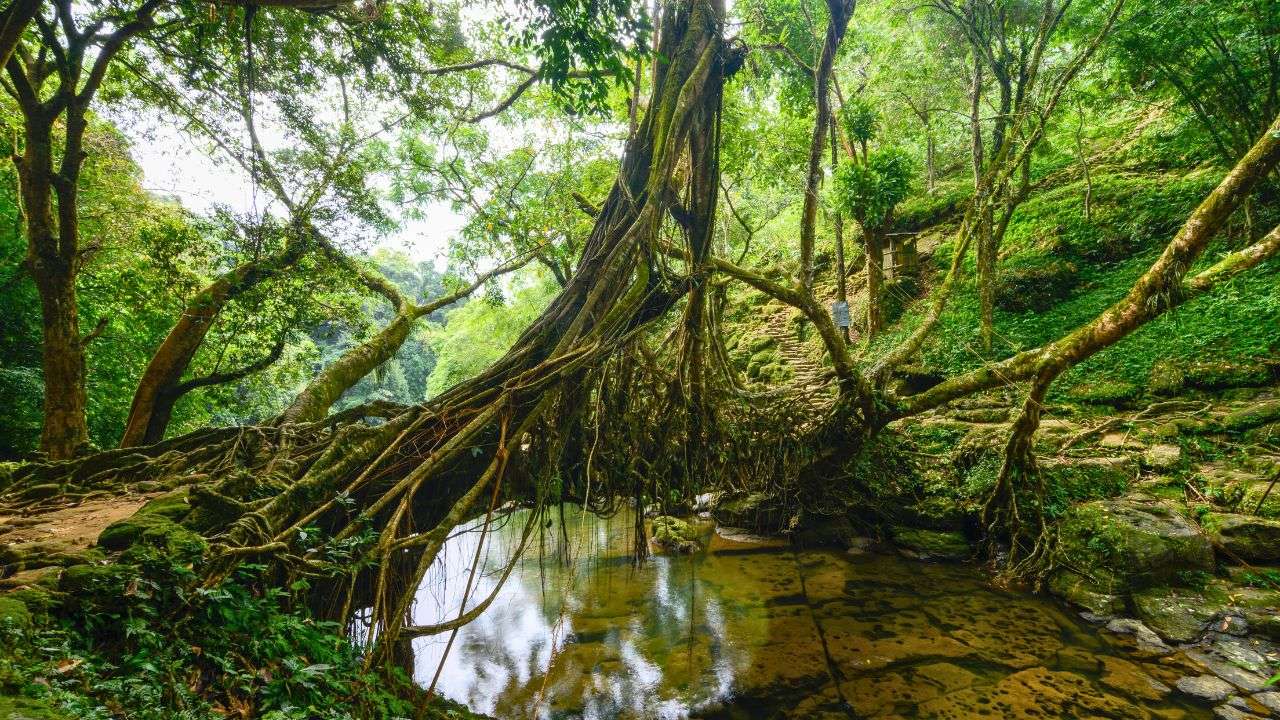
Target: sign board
{"x":840,"y":313}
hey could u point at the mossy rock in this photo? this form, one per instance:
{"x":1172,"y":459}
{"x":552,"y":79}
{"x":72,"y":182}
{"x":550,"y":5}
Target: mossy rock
{"x":1176,"y":614}
{"x":14,"y":614}
{"x":121,"y":534}
{"x":1101,"y":594}
{"x":1261,"y":498}
{"x":45,"y":553}
{"x":933,"y":544}
{"x":1244,"y":537}
{"x":762,"y":342}
{"x":1166,"y":378}
{"x":758,"y":512}
{"x":1090,"y":478}
{"x":1252,"y":416}
{"x":674,"y":535}
{"x":1113,"y":393}
{"x":169,"y":539}
{"x":1036,"y":287}
{"x":934,"y":513}
{"x":94,"y":580}
{"x":1139,"y":541}
{"x":1224,"y":374}
{"x":172,"y":505}
{"x":20,"y":708}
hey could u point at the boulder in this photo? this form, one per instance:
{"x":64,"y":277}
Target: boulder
{"x":1146,"y":640}
{"x":1139,"y":541}
{"x":932,"y":544}
{"x":1245,"y":537}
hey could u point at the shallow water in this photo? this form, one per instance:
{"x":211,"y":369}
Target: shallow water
{"x":750,"y":630}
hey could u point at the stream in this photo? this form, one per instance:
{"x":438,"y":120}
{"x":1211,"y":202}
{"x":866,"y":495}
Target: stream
{"x":750,"y":628}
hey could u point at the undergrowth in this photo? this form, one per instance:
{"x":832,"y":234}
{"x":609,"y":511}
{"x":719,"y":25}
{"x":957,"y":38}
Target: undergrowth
{"x":146,"y":642}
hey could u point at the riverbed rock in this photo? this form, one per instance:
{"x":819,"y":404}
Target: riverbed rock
{"x":1269,"y":700}
{"x":1033,"y":693}
{"x":1205,"y":688}
{"x":932,"y":544}
{"x":1244,"y":537}
{"x":1126,"y":677}
{"x":1228,"y":712}
{"x":1140,"y":541}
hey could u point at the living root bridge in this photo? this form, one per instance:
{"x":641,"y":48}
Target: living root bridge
{"x":362,"y":508}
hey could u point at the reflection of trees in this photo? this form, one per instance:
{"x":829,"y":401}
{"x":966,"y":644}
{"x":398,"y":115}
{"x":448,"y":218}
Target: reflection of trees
{"x":631,"y":640}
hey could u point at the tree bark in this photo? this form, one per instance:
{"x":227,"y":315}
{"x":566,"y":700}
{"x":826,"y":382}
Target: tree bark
{"x":873,"y":247}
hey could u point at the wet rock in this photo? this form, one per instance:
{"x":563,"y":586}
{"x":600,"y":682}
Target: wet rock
{"x":1228,"y":712}
{"x":1162,"y":457}
{"x":1146,"y":640}
{"x":1269,"y":700}
{"x":1245,"y":537}
{"x":1175,"y":614}
{"x":1141,"y":542}
{"x":671,"y":534}
{"x":1234,"y":660}
{"x":1205,"y":688}
{"x":932,"y":544}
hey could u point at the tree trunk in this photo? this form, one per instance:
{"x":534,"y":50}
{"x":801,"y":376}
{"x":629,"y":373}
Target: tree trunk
{"x":156,"y":394}
{"x":873,"y":244}
{"x":840,"y":12}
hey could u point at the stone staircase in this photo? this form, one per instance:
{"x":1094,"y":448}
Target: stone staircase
{"x":811,"y":380}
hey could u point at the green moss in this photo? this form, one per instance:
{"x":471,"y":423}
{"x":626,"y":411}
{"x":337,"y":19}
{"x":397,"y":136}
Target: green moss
{"x":94,"y":580}
{"x":172,"y":505}
{"x":1227,"y":373}
{"x":14,"y":614}
{"x":1116,"y":393}
{"x":1252,"y":416}
{"x":674,"y":535}
{"x":938,"y":544}
{"x":20,"y":708}
{"x":760,"y":343}
{"x":1036,"y":285}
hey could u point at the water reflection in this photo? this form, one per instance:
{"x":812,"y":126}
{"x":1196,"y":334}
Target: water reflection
{"x":749,"y":631}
